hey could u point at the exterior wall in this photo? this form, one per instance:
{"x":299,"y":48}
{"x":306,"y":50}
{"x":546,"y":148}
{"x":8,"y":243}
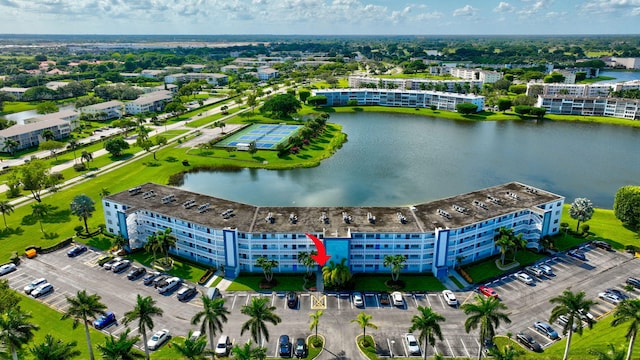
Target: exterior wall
{"x":411,"y":84}
{"x":111,"y":109}
{"x":629,"y":63}
{"x":426,"y":252}
{"x":152,"y":102}
{"x":588,"y":106}
{"x":589,"y":90}
{"x":212,"y":79}
{"x":399,"y":98}
{"x":33,"y":137}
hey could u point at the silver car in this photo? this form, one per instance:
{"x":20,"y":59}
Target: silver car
{"x":34,"y":284}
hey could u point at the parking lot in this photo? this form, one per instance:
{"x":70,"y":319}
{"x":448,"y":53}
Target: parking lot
{"x":526,"y":303}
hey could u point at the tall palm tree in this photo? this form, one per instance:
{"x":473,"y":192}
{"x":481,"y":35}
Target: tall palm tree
{"x":48,"y":135}
{"x":211,"y":318}
{"x":337,"y":274}
{"x":6,"y":208}
{"x":364,"y":321}
{"x":267,"y":267}
{"x":54,"y":349}
{"x":120,"y":348}
{"x":165,"y":241}
{"x":485,"y":313}
{"x":104,"y":192}
{"x":395,"y":263}
{"x":519,"y":243}
{"x":40,"y":211}
{"x":611,"y":354}
{"x":247,"y":352}
{"x":73,"y":145}
{"x":259,"y":313}
{"x":305,"y":259}
{"x":315,"y":320}
{"x":10,"y":145}
{"x":83,"y":207}
{"x":16,"y":330}
{"x":628,"y":311}
{"x":82,"y":307}
{"x":507,"y":353}
{"x":427,"y":324}
{"x":572,"y":305}
{"x":144,"y":311}
{"x":191,"y":349}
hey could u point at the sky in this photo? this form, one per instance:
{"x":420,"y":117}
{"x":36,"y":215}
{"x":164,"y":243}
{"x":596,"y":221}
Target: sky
{"x":320,"y":17}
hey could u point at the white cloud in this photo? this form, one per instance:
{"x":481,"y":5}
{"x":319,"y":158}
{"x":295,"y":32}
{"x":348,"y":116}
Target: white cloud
{"x":626,"y":7}
{"x":467,"y":11}
{"x":536,"y":7}
{"x":504,"y":7}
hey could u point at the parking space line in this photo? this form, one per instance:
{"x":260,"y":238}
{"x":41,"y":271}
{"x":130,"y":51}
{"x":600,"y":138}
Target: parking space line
{"x":471,"y":295}
{"x":415,"y":300}
{"x":465,"y":348}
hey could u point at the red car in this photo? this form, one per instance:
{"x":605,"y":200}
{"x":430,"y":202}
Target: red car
{"x":487,"y":291}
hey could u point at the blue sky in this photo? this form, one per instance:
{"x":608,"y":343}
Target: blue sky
{"x":320,"y":17}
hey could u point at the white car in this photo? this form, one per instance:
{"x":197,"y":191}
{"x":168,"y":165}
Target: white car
{"x":172,"y":284}
{"x":609,"y":297}
{"x":42,"y":290}
{"x":546,"y":269}
{"x":7,"y":268}
{"x":449,"y":297}
{"x":412,"y":344}
{"x":159,"y":338}
{"x":397,"y":299}
{"x":524,"y":278}
{"x":358,"y":300}
{"x":34,"y":284}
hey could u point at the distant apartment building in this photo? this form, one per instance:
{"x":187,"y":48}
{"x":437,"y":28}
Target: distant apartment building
{"x":590,"y":106}
{"x":399,"y":98}
{"x":105,"y":110}
{"x":30,"y":133}
{"x":267,"y":73}
{"x":17,"y":92}
{"x":152,"y":74}
{"x":149,"y":103}
{"x":360,"y":81}
{"x":194,"y":67}
{"x":589,"y":90}
{"x":210,"y":78}
{"x":569,"y":76}
{"x":486,"y":76}
{"x":628,"y":63}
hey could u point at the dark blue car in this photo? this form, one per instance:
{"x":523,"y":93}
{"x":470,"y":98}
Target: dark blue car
{"x":76,"y":250}
{"x":578,"y":255}
{"x":105,"y":320}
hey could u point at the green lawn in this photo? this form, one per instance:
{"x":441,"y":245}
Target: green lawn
{"x":605,"y":226}
{"x":487,"y":269}
{"x":251,"y":282}
{"x":11,"y":107}
{"x":413,"y":282}
{"x":181,"y":269}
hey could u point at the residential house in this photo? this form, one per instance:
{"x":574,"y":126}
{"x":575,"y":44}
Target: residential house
{"x":148,"y":103}
{"x":105,"y":110}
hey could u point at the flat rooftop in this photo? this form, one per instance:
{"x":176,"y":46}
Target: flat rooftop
{"x":452,"y":212}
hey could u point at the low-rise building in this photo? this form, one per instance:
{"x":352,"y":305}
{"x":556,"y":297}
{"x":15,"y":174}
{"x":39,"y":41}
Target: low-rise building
{"x":588,"y":90}
{"x":152,"y":74}
{"x":267,"y":73}
{"x":361,"y":81}
{"x":148,"y":103}
{"x":589,"y":106}
{"x":30,"y":133}
{"x":432,"y":237}
{"x":210,"y":78}
{"x":486,"y":76}
{"x":628,"y":63}
{"x":17,"y":92}
{"x":399,"y":98}
{"x":105,"y":110}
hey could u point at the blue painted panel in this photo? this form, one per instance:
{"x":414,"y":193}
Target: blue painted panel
{"x":122,"y":225}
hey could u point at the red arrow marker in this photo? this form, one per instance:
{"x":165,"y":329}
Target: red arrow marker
{"x":322,"y":256}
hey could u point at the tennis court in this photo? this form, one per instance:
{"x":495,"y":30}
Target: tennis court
{"x":266,"y":136}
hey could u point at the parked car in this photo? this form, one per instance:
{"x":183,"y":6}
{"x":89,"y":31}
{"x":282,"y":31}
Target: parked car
{"x":528,"y":342}
{"x":105,"y":320}
{"x":449,"y":297}
{"x":563,"y":320}
{"x":121,"y":266}
{"x":109,"y":264}
{"x":42,"y":290}
{"x":195,"y":335}
{"x":397,"y":298}
{"x":186,"y":293}
{"x":136,"y":272}
{"x":148,"y":279}
{"x":159,"y":338}
{"x":534,"y":271}
{"x":524,"y":278}
{"x":161,"y":280}
{"x":223,"y":346}
{"x":284,"y":346}
{"x":412,"y":344}
{"x":7,"y":268}
{"x":301,"y":348}
{"x":487,"y":291}
{"x":104,"y":259}
{"x":601,"y":244}
{"x":609,"y":297}
{"x":577,"y":254}
{"x":385,"y":299}
{"x":546,"y":269}
{"x":358,"y":300}
{"x":172,"y":284}
{"x":633,"y":282}
{"x":292,"y":300}
{"x":586,"y":316}
{"x":34,"y":284}
{"x":76,"y":250}
{"x":545,"y":329}
{"x":619,"y":293}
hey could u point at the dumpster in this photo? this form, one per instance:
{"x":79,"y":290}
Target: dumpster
{"x":31,"y":253}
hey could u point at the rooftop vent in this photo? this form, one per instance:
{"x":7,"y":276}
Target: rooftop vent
{"x":204,"y":207}
{"x":324,"y":218}
{"x":480,"y":204}
{"x":346,"y":217}
{"x":513,"y":195}
{"x":494,"y":200}
{"x":293,"y":218}
{"x":531,"y":190}
{"x":270,"y":219}
{"x":371,"y":218}
{"x":169,"y":198}
{"x":135,"y":191}
{"x":189,"y":204}
{"x":444,"y":214}
{"x":401,"y":218}
{"x":148,"y":194}
{"x":459,"y":209}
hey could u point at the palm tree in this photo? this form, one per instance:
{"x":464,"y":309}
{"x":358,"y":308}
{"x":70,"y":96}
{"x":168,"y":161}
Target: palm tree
{"x":54,"y":349}
{"x":259,"y":313}
{"x":305,"y":259}
{"x":211,"y":318}
{"x":191,"y":349}
{"x":485,"y":313}
{"x":86,"y":156}
{"x":507,"y":353}
{"x":518,"y":243}
{"x":119,"y":241}
{"x":165,"y":241}
{"x":16,"y":330}
{"x":427,"y":324}
{"x":612,"y":354}
{"x":104,"y":192}
{"x":48,"y":135}
{"x":364,"y":321}
{"x":82,"y":307}
{"x":152,"y":245}
{"x":10,"y":145}
{"x":315,"y":320}
{"x":267,"y":267}
{"x":6,"y":208}
{"x":83,"y":207}
{"x":144,"y":311}
{"x":572,"y":305}
{"x":582,"y":210}
{"x":120,"y":348}
{"x":73,"y":145}
{"x":336,"y":274}
{"x":504,"y":240}
{"x":628,"y":311}
{"x":39,"y":211}
{"x":395,"y":263}
{"x":246,"y":352}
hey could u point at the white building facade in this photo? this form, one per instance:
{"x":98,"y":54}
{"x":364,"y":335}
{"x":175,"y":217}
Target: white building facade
{"x":105,"y":110}
{"x":432,"y":236}
{"x":358,"y":81}
{"x":590,"y":106}
{"x":149,"y":103}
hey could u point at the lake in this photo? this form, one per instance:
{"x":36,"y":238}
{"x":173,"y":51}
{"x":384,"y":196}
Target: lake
{"x":394,"y":159}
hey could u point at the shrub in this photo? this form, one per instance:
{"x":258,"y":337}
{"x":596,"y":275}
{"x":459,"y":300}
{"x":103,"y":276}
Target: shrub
{"x":630,"y":249}
{"x":80,"y":167}
{"x":585,"y":228}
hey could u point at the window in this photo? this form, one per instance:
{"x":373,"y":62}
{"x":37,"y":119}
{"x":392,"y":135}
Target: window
{"x":107,"y":204}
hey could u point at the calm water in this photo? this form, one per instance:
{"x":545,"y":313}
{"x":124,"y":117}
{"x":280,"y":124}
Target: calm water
{"x":621,"y":75}
{"x":402,"y":159}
